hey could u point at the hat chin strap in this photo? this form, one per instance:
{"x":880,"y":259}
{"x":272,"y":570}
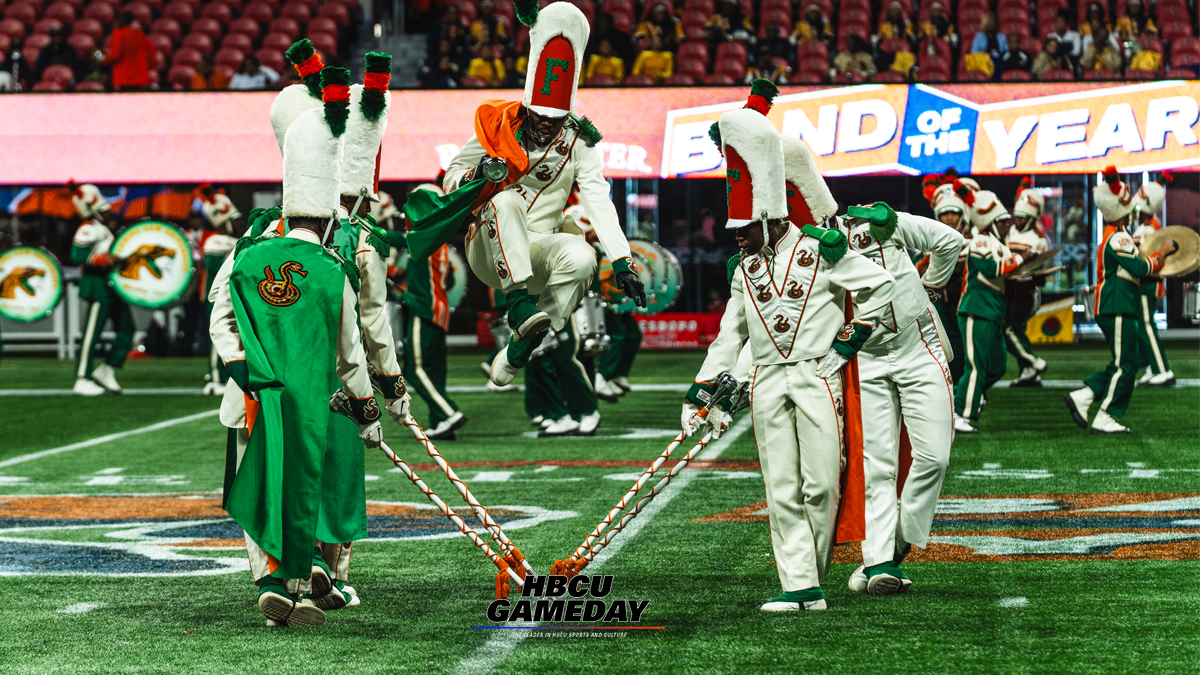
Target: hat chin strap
{"x":362,"y":194}
{"x":767,"y":251}
{"x":329,"y":226}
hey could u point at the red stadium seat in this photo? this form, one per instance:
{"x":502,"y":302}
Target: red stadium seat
{"x":286,"y":26}
{"x":862,"y":30}
{"x":1015,"y":14}
{"x":600,"y":81}
{"x":325,"y":43}
{"x":89,"y":27}
{"x":692,"y":68}
{"x":277,"y":41}
{"x":732,"y":50}
{"x":89,"y":85}
{"x":679,"y":80}
{"x":181,"y":76}
{"x":1017,"y":76}
{"x":234,"y":5}
{"x":1175,"y":30}
{"x":940,"y":46}
{"x":889,"y":77}
{"x":160,"y":61}
{"x":693,"y":50}
{"x":933,"y":63}
{"x":895,"y":45}
{"x":167,"y":27}
{"x":226,"y":71}
{"x":731,"y":67}
{"x":1172,"y":12}
{"x":215,"y":10}
{"x":48,"y":86}
{"x":297,"y":11}
{"x":44,"y":26}
{"x":623,"y":23}
{"x":854,"y":15}
{"x":694,"y":18}
{"x":237,"y":41}
{"x":25,"y":13}
{"x":466,"y":10}
{"x":185,"y":56}
{"x":100,"y":11}
{"x":808,"y":78}
{"x":1095,"y":74}
{"x":719,"y":78}
{"x":62,"y":74}
{"x":623,"y":6}
{"x":273,"y":59}
{"x":812,"y":48}
{"x":245,"y":26}
{"x":783,"y":22}
{"x":258,"y":11}
{"x":33,"y":46}
{"x":209,"y":26}
{"x":198,"y":41}
{"x":179,"y":11}
{"x":141,"y":11}
{"x":813,"y":64}
{"x":230,"y":58}
{"x":162,"y":43}
{"x":339,"y":13}
{"x":692,"y":33}
{"x":706,"y":6}
{"x":1149,"y":43}
{"x":933,"y":76}
{"x":82,"y":42}
{"x":274,"y":4}
{"x":77,"y":4}
{"x":1185,"y":52}
{"x":473,"y":83}
{"x":321,"y":24}
{"x":61,"y":11}
{"x":1058,"y":74}
{"x":12,"y":28}
{"x":1138,"y":74}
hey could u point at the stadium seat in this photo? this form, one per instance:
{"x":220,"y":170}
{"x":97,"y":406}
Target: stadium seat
{"x":258,"y":11}
{"x":706,"y":6}
{"x":965,"y":75}
{"x":339,"y":13}
{"x":48,"y":86}
{"x":179,"y":11}
{"x":162,"y":43}
{"x":1017,"y":76}
{"x":889,"y":77}
{"x":719,"y":78}
{"x":167,"y":27}
{"x":862,"y":30}
{"x":1139,"y":74}
{"x":273,"y":4}
{"x":1059,"y":74}
{"x":693,"y":50}
{"x":1014,"y":14}
{"x":1097,"y":74}
{"x":854,"y":15}
{"x":273,"y":59}
{"x":813,"y":64}
{"x":732,"y":50}
{"x":209,"y":26}
{"x":693,"y":33}
{"x":731,"y":67}
{"x":321,"y":24}
{"x":940,"y":46}
{"x":928,"y":64}
{"x":694,"y":18}
{"x":60,"y":73}
{"x":286,"y":26}
{"x":1149,"y":43}
{"x":473,"y":83}
{"x":1185,"y":52}
{"x":89,"y":85}
{"x":1023,"y":28}
{"x":82,"y":42}
{"x":198,"y":41}
{"x":185,"y":56}
{"x":36,"y":41}
{"x":808,"y":78}
{"x":245,"y":26}
{"x":1175,"y":30}
{"x":44,"y":26}
{"x":235,"y":6}
{"x":100,"y":11}
{"x":603,"y":81}
{"x":280,"y":41}
{"x":680,"y":80}
{"x":933,"y":76}
{"x":238,"y":41}
{"x":466,"y":10}
{"x":692,"y":68}
{"x":180,"y":76}
{"x":141,"y":11}
{"x":61,"y":11}
{"x":325,"y":43}
{"x":895,"y":45}
{"x":623,"y":6}
{"x":225,"y":70}
{"x":89,"y":27}
{"x":812,"y":48}
{"x":230,"y":58}
{"x":25,"y":13}
{"x":1172,"y":12}
{"x":297,"y":11}
{"x":215,"y":10}
{"x":11,"y":28}
{"x":623,"y":23}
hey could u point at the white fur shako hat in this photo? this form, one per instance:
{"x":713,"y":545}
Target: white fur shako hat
{"x":1113,"y":196}
{"x":1152,"y":194}
{"x":946,"y":199}
{"x":986,"y":209}
{"x":754,"y":174}
{"x":287,"y":106}
{"x":1029,"y":202}
{"x":218,"y":208}
{"x":311,"y":167}
{"x":361,"y":146}
{"x":808,"y":197}
{"x":557,"y":38}
{"x":87,"y":200}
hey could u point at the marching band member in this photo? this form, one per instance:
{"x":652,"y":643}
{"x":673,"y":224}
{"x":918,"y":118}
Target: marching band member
{"x":1118,"y":308}
{"x":788,"y":297}
{"x":1025,"y":238}
{"x":950,"y":209}
{"x":91,"y":249}
{"x":216,"y":244}
{"x":981,"y":311}
{"x":1146,"y":203}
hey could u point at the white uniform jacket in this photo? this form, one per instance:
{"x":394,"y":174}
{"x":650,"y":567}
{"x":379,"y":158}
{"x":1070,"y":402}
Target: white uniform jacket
{"x":917,"y":233}
{"x":372,"y":295}
{"x":95,"y":235}
{"x":793,"y":308}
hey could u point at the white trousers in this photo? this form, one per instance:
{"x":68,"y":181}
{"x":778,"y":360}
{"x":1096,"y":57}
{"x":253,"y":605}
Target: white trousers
{"x":908,"y":379}
{"x":797,"y":425}
{"x":504,"y":254}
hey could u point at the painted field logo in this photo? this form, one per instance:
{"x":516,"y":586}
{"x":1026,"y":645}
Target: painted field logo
{"x":182,"y":535}
{"x":1150,"y":526}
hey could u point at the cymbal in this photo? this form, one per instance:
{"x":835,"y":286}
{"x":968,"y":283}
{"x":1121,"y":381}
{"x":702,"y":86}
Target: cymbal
{"x":1033,"y":263}
{"x":1183,"y":261}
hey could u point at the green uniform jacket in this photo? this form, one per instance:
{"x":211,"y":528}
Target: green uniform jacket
{"x":1121,"y":274}
{"x":983,"y":296}
{"x":93,"y":282}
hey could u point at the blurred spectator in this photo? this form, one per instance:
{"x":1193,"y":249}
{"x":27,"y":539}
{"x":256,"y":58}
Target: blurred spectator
{"x":1069,"y":41}
{"x":514,"y":77}
{"x":606,"y":62}
{"x":459,"y":43}
{"x":813,"y":26}
{"x":1105,"y":57}
{"x":16,"y":66}
{"x":130,"y":56}
{"x":766,"y":67}
{"x":1051,"y":58}
{"x":775,"y":40}
{"x":1095,"y":12}
{"x":989,"y":40}
{"x":730,"y":24}
{"x":487,"y":66}
{"x":655,"y":61}
{"x":938,"y":25}
{"x":207,"y":78}
{"x":659,"y":23}
{"x":450,"y":17}
{"x":622,"y":42}
{"x":855,"y":58}
{"x":252,"y":75}
{"x":487,"y":28}
{"x":1135,"y":23}
{"x":896,"y":24}
{"x":57,"y":53}
{"x":1016,"y":58}
{"x":443,"y":75}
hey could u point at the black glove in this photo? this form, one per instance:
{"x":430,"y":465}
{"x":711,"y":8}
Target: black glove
{"x":632,"y":286}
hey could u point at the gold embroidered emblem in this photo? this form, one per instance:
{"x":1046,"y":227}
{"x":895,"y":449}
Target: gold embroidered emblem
{"x":805,"y":259}
{"x":862,"y":240}
{"x":543,"y":173}
{"x":782,"y":324}
{"x":795,"y":291}
{"x":281,"y":292}
{"x":755,"y":266}
{"x":764,"y":294}
{"x":847,"y":332}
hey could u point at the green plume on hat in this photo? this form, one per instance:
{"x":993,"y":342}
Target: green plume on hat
{"x":527,"y":11}
{"x":372,"y":102}
{"x":833,"y":243}
{"x":299,"y":52}
{"x":881,"y":216}
{"x":714,"y":132}
{"x":764,"y":88}
{"x":336,"y":112}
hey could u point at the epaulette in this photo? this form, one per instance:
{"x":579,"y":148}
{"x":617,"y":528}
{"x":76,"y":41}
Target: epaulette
{"x":833,"y":244}
{"x":348,"y":266}
{"x":882,"y":217}
{"x":731,"y":267}
{"x":377,"y":238}
{"x":588,"y":131}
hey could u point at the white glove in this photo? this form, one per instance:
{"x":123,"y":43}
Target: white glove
{"x":719,"y":421}
{"x":371,"y":434}
{"x":830,"y":364}
{"x":398,"y":408}
{"x":691,"y":421}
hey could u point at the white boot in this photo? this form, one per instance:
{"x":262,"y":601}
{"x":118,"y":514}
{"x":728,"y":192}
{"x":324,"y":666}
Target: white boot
{"x":446,"y":428}
{"x":1039,"y":365}
{"x":563,"y":426}
{"x":503,"y":372}
{"x":623,"y":383}
{"x":605,"y":391}
{"x":963,"y":426}
{"x":493,"y":388}
{"x":1107,"y":424}
{"x":103,"y":374}
{"x":587,"y":425}
{"x":1166,"y":379}
{"x":214,"y":389}
{"x":1078,"y":403}
{"x":1028,"y":378}
{"x":1145,"y":379}
{"x":858,"y":580}
{"x":537,"y":421}
{"x":85,"y":387}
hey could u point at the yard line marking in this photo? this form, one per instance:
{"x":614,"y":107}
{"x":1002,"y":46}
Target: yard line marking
{"x":1013,"y":603}
{"x":150,"y":391}
{"x":501,"y":644}
{"x":80,"y":608}
{"x":109,"y":438}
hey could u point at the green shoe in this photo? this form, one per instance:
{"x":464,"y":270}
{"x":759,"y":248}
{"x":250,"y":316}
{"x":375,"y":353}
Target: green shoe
{"x":518,"y":352}
{"x":524,"y":317}
{"x":341,"y":595}
{"x":900,"y":554}
{"x":796,"y":601}
{"x":886,"y":579}
{"x":321,"y":582}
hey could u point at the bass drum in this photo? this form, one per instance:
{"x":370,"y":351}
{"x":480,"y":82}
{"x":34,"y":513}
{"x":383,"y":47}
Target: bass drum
{"x":659,"y":270}
{"x":31,"y":284}
{"x":154,"y":266}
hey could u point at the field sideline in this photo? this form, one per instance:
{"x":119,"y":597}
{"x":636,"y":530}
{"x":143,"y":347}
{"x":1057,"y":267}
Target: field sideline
{"x":1053,"y":551}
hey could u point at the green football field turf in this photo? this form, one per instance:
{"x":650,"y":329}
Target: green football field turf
{"x":1054,"y":550}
